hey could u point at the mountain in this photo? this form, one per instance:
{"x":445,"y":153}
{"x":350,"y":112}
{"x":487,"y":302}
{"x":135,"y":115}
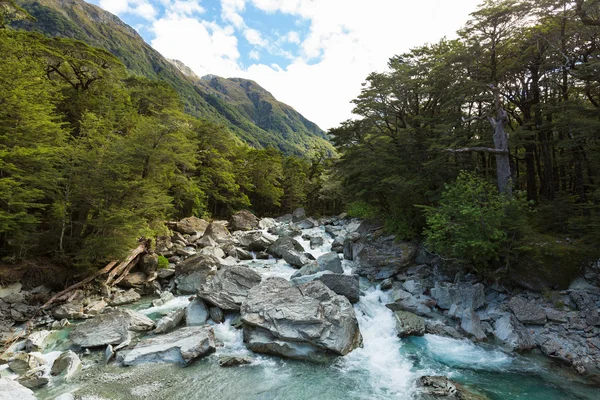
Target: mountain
{"x":247,"y":109}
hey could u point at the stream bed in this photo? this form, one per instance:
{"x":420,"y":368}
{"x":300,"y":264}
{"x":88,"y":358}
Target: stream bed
{"x":385,"y":367}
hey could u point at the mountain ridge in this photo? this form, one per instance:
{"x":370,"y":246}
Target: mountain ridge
{"x":252,"y":114}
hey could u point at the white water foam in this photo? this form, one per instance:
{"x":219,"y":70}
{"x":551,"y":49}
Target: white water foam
{"x":171,"y":305}
{"x":465,"y":354}
{"x":389,"y":372}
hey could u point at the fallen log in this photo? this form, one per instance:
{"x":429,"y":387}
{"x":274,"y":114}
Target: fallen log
{"x":103,"y":271}
{"x":122,"y":268}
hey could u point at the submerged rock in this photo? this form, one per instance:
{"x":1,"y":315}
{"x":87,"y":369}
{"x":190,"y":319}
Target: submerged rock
{"x":229,"y":287}
{"x":436,"y":387}
{"x":111,"y":327}
{"x":303,"y":322}
{"x":181,"y":346}
{"x":233,"y":361}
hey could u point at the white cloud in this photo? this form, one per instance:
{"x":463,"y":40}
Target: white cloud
{"x":292,"y":37}
{"x":346,"y":40}
{"x":203,"y":46}
{"x":141,"y":8}
{"x":186,"y":7}
{"x":255,"y":38}
{"x":254,"y":55}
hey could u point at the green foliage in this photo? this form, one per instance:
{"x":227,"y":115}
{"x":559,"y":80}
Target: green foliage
{"x":473,"y":223}
{"x":163,"y":262}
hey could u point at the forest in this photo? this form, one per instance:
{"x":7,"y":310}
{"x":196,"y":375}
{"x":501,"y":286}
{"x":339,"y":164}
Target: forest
{"x":93,"y":157}
{"x":423,"y":149}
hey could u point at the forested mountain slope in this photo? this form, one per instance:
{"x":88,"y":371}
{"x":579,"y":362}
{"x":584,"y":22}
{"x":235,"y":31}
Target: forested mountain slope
{"x":242,"y":106}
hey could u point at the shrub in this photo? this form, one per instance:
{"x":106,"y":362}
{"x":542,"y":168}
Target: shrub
{"x":163,"y":262}
{"x":474,"y":223}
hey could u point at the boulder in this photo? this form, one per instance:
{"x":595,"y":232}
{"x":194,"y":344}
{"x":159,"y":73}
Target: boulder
{"x":440,"y":387}
{"x":34,"y":378}
{"x":404,"y":301}
{"x":112,"y":327}
{"x":464,"y":295}
{"x":298,"y":215}
{"x":13,"y":390}
{"x":471,"y":324}
{"x":286,"y":230}
{"x":196,"y":313}
{"x":583,"y":300}
{"x":344,"y":285}
{"x":216,"y":314}
{"x":298,"y":322}
{"x":381,"y":258}
{"x":213,"y":251}
{"x":528,"y":312}
{"x":130,"y":296}
{"x":409,"y":324}
{"x":266,"y":223}
{"x":243,"y":221}
{"x":67,"y":363}
{"x":307,"y":223}
{"x":255,"y":241}
{"x":233,"y":361}
{"x":21,"y":362}
{"x":69,"y":311}
{"x":36,"y":341}
{"x":229,"y":287}
{"x":191,"y":273}
{"x":134,"y":280}
{"x":337,"y":245}
{"x":290,"y":250}
{"x":512,"y":333}
{"x":315,"y":242}
{"x":170,"y":321}
{"x":181,"y":346}
{"x":330,"y":262}
{"x":206,"y":241}
{"x":190,"y":226}
{"x":164,"y":298}
{"x":218,"y":232}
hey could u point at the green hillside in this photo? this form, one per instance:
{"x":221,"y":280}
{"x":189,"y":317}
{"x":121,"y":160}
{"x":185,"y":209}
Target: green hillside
{"x":248,"y":110}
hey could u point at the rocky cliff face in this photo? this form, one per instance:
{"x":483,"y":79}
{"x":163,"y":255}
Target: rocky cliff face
{"x":249,"y":111}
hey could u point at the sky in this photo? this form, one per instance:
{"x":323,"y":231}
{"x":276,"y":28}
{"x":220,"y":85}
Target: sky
{"x":311,"y":54}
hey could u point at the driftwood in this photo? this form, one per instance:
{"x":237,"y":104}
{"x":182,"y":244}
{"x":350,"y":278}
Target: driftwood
{"x":103,"y":271}
{"x":124,"y":267}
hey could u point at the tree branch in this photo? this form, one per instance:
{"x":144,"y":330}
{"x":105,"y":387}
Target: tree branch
{"x":476,"y":149}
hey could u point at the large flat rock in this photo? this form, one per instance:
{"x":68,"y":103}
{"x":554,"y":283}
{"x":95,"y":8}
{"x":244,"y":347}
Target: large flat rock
{"x":111,"y":327}
{"x":229,"y":287}
{"x":181,"y":346}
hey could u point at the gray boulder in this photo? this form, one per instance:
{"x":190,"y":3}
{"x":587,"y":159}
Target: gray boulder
{"x":266,"y":223}
{"x":316,"y":241}
{"x":191,"y":273}
{"x":112,"y":327}
{"x":290,"y":250}
{"x":68,"y":363}
{"x":440,"y":387}
{"x":464,"y":295}
{"x":409,"y":324}
{"x":298,"y":215}
{"x":512,"y":333}
{"x":528,"y":312}
{"x":233,"y":361}
{"x":288,"y":230}
{"x":255,"y":241}
{"x":218,"y":232}
{"x":307,"y":223}
{"x":298,"y":322}
{"x":404,"y":301}
{"x":196,"y":313}
{"x":21,"y":362}
{"x":34,"y":378}
{"x":214,"y":251}
{"x":69,"y":311}
{"x":471,"y":324}
{"x":583,"y":300}
{"x":330,"y":262}
{"x":381,"y":258}
{"x":190,"y":226}
{"x":120,"y":298}
{"x":170,"y":321}
{"x":216,"y":314}
{"x":181,"y":346}
{"x":344,"y":285}
{"x":229,"y":287}
{"x":13,"y":390}
{"x":243,"y":221}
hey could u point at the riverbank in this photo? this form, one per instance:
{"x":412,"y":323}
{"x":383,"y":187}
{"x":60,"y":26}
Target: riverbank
{"x":272,"y":292}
